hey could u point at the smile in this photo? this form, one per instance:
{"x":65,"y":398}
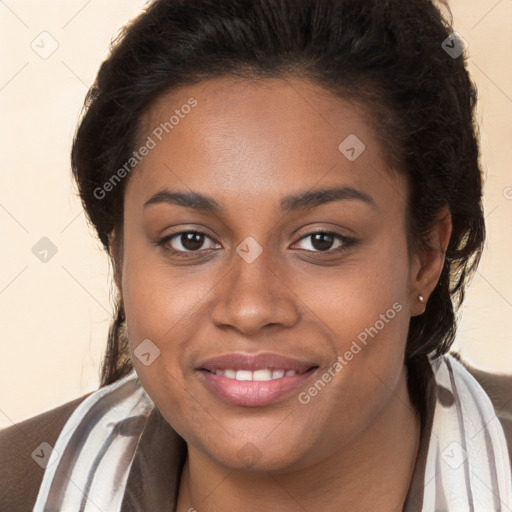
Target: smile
{"x":258,"y":375}
{"x":249,"y":380}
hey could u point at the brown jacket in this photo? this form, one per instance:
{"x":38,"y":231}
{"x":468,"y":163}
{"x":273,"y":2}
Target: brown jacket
{"x":20,"y":476}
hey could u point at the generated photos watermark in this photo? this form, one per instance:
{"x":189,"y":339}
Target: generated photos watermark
{"x":342,"y":360}
{"x":151,"y":142}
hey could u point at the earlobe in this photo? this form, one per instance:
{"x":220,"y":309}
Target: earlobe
{"x":431,"y":259}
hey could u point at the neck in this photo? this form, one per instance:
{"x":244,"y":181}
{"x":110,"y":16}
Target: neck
{"x":372,"y":473}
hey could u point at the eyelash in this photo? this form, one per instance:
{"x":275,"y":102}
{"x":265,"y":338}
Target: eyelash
{"x":347,"y":243}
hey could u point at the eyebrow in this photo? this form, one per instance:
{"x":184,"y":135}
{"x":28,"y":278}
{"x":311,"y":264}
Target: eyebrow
{"x":301,"y":201}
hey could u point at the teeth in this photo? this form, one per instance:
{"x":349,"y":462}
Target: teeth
{"x":262,"y":375}
{"x":257,"y":375}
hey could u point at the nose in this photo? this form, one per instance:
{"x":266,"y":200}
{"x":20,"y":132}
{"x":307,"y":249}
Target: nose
{"x":256,"y":295}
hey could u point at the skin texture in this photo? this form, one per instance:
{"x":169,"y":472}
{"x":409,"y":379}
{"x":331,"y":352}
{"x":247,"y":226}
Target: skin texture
{"x":248,"y":144}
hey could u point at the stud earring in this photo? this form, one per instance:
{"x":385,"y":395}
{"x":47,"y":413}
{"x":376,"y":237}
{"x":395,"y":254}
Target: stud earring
{"x":421,"y":298}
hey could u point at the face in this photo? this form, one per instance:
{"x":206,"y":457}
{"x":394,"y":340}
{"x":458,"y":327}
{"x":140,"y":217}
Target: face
{"x":267,"y":274}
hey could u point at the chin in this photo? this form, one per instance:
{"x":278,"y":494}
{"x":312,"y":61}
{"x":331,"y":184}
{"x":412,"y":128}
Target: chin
{"x":250,"y":459}
{"x":259,"y":454}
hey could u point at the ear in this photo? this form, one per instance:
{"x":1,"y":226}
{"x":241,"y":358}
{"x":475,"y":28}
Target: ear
{"x":428,"y":262}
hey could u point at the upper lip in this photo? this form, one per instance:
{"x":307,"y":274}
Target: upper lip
{"x":241,"y":361}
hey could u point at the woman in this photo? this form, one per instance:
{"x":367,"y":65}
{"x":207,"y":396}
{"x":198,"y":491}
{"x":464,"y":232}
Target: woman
{"x":290,"y":194}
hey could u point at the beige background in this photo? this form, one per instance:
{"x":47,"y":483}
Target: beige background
{"x":54,"y":316}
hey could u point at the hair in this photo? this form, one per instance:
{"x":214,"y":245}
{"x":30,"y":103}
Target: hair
{"x":384,"y":54}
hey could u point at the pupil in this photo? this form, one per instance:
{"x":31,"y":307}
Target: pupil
{"x":192,"y":241}
{"x":325,"y":241}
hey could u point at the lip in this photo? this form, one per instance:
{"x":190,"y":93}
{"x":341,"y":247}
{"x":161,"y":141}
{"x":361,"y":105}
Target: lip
{"x":253,"y":393}
{"x":241,"y":361}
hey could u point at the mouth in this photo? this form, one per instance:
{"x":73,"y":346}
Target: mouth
{"x":254,"y":381}
{"x":257,"y":375}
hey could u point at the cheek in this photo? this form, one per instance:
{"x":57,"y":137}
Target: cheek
{"x":159,"y":299}
{"x":165,"y":304}
{"x":158,"y":308}
{"x":368,"y":312}
{"x":367,"y":317}
{"x":157,"y":304}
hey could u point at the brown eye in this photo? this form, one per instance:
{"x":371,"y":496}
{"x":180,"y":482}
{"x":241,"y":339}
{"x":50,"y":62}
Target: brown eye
{"x":191,"y":241}
{"x":185,"y":242}
{"x":322,"y":241}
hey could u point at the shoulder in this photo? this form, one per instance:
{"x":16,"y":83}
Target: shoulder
{"x":20,"y":473}
{"x":499,"y":389}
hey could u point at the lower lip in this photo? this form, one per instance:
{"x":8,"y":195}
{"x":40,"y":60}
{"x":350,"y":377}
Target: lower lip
{"x":251,"y":393}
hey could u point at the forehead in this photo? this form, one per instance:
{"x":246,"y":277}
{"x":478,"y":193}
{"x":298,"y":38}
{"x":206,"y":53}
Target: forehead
{"x":249,"y":139}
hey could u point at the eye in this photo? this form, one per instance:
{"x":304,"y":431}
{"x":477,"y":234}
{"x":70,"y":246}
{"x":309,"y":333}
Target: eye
{"x":322,"y":241}
{"x":184,"y":242}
